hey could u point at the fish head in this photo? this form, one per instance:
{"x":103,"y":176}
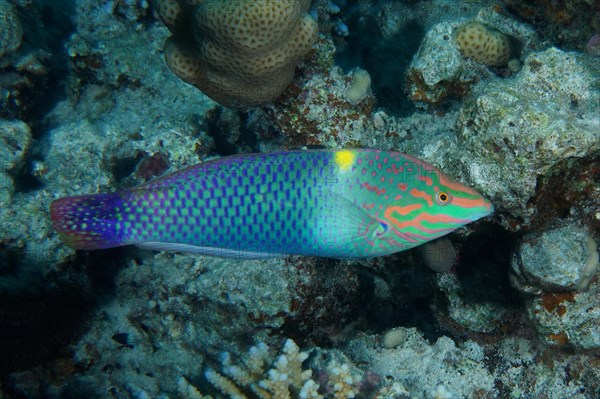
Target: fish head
{"x":458,"y":201}
{"x":428,"y":205}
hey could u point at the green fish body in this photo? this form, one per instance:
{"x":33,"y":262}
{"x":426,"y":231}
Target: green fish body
{"x":325,"y":203}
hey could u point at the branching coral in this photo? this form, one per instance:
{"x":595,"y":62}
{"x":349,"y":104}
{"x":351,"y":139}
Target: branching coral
{"x":285,"y":379}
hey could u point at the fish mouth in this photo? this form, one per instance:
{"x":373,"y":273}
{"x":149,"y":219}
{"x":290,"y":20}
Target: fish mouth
{"x":489,"y":206}
{"x":485,"y":210}
{"x":474,"y":208}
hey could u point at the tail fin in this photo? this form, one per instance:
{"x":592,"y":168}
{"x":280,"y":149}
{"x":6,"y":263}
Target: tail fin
{"x":88,"y":221}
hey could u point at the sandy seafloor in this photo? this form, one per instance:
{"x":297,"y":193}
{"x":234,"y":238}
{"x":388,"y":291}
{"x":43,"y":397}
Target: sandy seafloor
{"x":506,"y":307}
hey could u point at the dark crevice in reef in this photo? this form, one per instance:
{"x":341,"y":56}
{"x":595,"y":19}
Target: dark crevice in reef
{"x":386,"y":59}
{"x":123,"y":168}
{"x":411,"y":289}
{"x":229,"y":130}
{"x":415,"y":300}
{"x":484,"y":265}
{"x":25,"y":181}
{"x":58,"y":26}
{"x":47,"y":24}
{"x":568,"y":190}
{"x":39,"y":321}
{"x":482,"y":271}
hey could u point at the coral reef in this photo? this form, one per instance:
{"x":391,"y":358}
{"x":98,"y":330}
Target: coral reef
{"x":438,"y":72}
{"x":424,"y":379}
{"x":482,"y":44}
{"x":239,"y":53}
{"x":557,"y":272}
{"x":133,"y":324}
{"x":286,"y":378}
{"x":567,"y":24}
{"x":317,"y":111}
{"x":27,"y":60}
{"x":563,"y":259}
{"x":515,"y":131}
{"x":11,"y":31}
{"x":567,"y":319}
{"x":429,"y":81}
{"x":15,"y":143}
{"x":183,"y":314}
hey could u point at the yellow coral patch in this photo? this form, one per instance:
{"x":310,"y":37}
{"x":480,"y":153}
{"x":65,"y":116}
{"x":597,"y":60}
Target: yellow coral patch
{"x":344,"y":159}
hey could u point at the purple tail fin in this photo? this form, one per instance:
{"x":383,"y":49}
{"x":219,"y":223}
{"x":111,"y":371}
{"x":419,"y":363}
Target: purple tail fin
{"x":88,"y":221}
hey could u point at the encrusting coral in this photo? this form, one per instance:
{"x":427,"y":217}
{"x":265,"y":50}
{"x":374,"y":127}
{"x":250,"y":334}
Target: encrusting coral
{"x":483,"y":45}
{"x":285,"y":379}
{"x":239,"y":53}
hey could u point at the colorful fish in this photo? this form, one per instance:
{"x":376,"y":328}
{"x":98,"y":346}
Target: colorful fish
{"x":326,"y":203}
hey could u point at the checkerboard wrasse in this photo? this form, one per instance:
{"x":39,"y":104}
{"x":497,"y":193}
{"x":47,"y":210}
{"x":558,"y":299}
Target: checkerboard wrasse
{"x":325,"y":203}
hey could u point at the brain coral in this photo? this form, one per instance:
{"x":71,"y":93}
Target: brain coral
{"x":483,"y":45}
{"x":240,"y":53}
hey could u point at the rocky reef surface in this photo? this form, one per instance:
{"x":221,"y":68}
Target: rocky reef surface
{"x":505,"y":307}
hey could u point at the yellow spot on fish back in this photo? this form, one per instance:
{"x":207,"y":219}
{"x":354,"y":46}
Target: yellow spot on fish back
{"x":344,"y":159}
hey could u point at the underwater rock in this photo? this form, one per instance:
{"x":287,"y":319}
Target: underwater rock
{"x":318,"y":111}
{"x":567,"y":319}
{"x":560,"y":260}
{"x":7,"y":188}
{"x":22,"y":3}
{"x":31,"y":65}
{"x":15,"y":142}
{"x":511,"y":367}
{"x":178,"y":311}
{"x":75,"y":160}
{"x":297,"y":298}
{"x":523,"y":368}
{"x":11,"y":31}
{"x":556,"y":19}
{"x":421,"y":366}
{"x":471,"y":310}
{"x":513,"y":131}
{"x":592,"y":47}
{"x":557,"y":266}
{"x":133,"y":10}
{"x":438,"y":69}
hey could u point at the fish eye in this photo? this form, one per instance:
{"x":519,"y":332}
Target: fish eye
{"x":443,"y":198}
